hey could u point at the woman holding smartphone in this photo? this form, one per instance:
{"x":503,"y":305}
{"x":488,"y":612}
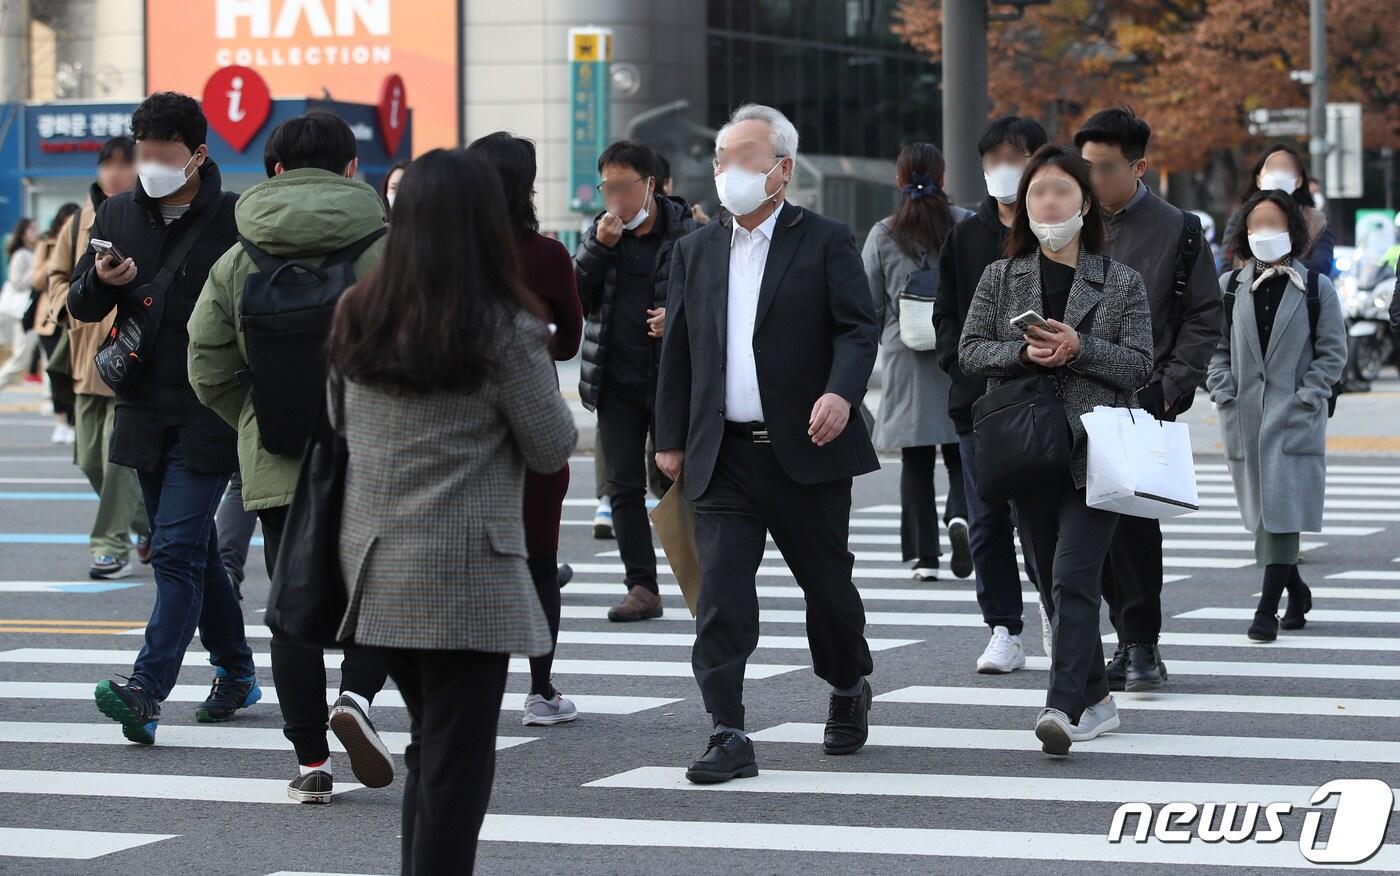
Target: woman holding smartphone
{"x":1096,"y":337}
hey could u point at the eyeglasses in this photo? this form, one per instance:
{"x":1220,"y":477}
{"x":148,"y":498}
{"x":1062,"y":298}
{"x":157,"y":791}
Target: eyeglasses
{"x":616,"y":188}
{"x":742,"y":159}
{"x":1109,"y":168}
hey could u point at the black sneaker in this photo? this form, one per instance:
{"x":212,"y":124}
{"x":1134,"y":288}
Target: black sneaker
{"x":848,"y":722}
{"x":1144,"y":670}
{"x":227,"y":696}
{"x":369,"y":756}
{"x":566,"y":574}
{"x":1116,"y":669}
{"x":727,"y":756}
{"x":961,"y":540}
{"x":131,"y":705}
{"x":314,"y":787}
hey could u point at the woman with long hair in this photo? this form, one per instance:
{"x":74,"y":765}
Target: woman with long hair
{"x":19,"y":268}
{"x":1282,"y":168}
{"x":50,"y":316}
{"x":548,"y":273}
{"x":901,"y":254}
{"x":443,"y":387}
{"x":1094,"y":336}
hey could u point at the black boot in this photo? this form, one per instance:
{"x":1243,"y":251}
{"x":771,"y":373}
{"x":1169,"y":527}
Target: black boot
{"x":1116,"y":670}
{"x":1299,"y":603}
{"x":1265,"y":626}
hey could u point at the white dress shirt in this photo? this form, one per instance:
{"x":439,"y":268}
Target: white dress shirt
{"x":748,"y":254}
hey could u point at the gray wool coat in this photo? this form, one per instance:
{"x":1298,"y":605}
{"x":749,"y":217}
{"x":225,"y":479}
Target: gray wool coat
{"x":914,"y":390}
{"x":1273,"y":406}
{"x":432,"y":545}
{"x":1107,"y":304}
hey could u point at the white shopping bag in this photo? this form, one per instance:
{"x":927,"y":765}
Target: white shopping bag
{"x":1139,"y":465}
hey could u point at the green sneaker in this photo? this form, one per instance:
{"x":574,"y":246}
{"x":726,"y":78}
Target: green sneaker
{"x":132,"y":706}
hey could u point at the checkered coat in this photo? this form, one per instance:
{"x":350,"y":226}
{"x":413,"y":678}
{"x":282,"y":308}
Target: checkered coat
{"x":1107,"y":304}
{"x":432,"y":542}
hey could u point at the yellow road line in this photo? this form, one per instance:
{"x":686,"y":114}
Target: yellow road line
{"x":60,"y":622}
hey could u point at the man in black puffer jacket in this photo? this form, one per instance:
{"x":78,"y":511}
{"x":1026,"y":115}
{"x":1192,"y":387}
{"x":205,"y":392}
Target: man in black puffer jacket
{"x":621,"y":268}
{"x":181,"y":450}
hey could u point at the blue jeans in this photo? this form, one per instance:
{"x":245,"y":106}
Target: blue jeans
{"x":192,"y":588}
{"x":993,"y":550}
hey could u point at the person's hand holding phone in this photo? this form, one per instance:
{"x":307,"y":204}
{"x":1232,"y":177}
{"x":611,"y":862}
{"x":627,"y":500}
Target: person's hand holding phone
{"x":1052,"y":345}
{"x":112,"y":267}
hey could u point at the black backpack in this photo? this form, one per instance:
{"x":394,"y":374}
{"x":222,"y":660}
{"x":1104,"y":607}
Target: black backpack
{"x":1314,"y":310}
{"x":285,"y":315}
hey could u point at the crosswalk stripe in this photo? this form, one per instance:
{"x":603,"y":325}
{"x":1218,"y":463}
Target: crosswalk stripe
{"x":1333,"y":489}
{"x":1177,"y":702}
{"x":777,"y":591}
{"x":1371,"y":593}
{"x":152,"y":786}
{"x":1217,"y":529}
{"x":1339,"y":479}
{"x":625,"y":668}
{"x":966,"y":787}
{"x":1246,"y":669}
{"x":867,"y":556}
{"x":1320,"y":615}
{"x":1286,"y":642}
{"x":1357,"y":751}
{"x":65,"y":586}
{"x":795,"y":643}
{"x":71,"y":845}
{"x":857,"y":573}
{"x":192,"y":736}
{"x":901,"y":842}
{"x":1376,"y":575}
{"x":797,"y":616}
{"x":193,"y":693}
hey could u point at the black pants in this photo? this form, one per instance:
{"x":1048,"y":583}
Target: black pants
{"x":454,"y":702}
{"x":748,"y":497}
{"x":624,"y":422}
{"x":918,"y":516}
{"x":544,"y":571}
{"x":1067,"y":542}
{"x":299,"y":669}
{"x":1132,"y":580}
{"x":990,"y":530}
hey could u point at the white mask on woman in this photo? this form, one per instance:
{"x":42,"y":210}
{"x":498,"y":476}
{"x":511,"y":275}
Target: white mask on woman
{"x":1270,"y":246}
{"x":1280,"y":180}
{"x":1057,"y":235}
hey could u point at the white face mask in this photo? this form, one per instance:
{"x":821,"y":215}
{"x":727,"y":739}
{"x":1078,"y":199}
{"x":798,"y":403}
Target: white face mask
{"x":159,"y":180}
{"x":1003,"y":181}
{"x":1281,"y":180}
{"x":1319,"y":200}
{"x":743,"y":191}
{"x":1270,"y":246}
{"x":390,"y":198}
{"x":642,"y":214}
{"x":1057,"y":235}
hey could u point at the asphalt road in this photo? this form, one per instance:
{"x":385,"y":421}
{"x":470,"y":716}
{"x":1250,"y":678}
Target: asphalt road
{"x":952,"y":781}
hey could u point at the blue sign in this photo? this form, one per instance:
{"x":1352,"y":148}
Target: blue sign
{"x":590,"y":52}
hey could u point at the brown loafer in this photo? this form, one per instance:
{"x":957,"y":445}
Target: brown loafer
{"x":639,"y":604}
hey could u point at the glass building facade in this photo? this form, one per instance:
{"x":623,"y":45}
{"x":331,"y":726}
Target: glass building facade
{"x":834,"y":67}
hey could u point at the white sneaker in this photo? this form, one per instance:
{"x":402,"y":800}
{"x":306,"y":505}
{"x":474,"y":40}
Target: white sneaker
{"x":70,"y":435}
{"x":57,"y":436}
{"x":925,"y":573}
{"x":1054,"y":731}
{"x":1047,"y":632}
{"x":542,"y":712}
{"x":1003,"y":653}
{"x":1097,"y":720}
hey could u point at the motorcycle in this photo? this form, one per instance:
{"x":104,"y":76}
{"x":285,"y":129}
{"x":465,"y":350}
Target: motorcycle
{"x":1371,"y":346}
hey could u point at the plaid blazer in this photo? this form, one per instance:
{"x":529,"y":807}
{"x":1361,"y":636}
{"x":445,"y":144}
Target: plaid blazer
{"x":432,"y":542}
{"x":1107,"y":304}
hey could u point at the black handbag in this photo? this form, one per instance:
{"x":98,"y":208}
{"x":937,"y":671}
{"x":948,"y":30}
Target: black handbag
{"x":128,"y":346}
{"x":1022,"y":437}
{"x":308,"y":598}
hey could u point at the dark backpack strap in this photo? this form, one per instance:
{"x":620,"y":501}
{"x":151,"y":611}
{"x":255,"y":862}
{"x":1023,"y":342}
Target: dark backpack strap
{"x":1228,"y":299}
{"x":1188,"y":249}
{"x":266,"y":262}
{"x":350,"y":254}
{"x":1314,"y":308}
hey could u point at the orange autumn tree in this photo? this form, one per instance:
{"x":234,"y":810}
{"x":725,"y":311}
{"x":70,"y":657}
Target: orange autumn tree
{"x":1193,"y":68}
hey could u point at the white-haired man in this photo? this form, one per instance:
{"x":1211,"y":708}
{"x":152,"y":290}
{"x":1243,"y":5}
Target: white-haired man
{"x":770,"y":344}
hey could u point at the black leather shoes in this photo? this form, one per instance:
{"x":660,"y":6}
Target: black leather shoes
{"x":1264,"y":628}
{"x":727,"y":756}
{"x":1299,"y":604}
{"x":1145,"y":671}
{"x":1116,"y":670}
{"x":848,"y":722}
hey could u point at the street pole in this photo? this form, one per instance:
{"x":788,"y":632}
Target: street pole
{"x":964,"y":96}
{"x":1317,"y":111}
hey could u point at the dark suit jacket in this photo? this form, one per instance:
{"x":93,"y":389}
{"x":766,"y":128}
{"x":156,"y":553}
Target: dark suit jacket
{"x":815,"y":333}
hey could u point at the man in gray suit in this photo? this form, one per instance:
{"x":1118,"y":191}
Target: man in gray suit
{"x":770,"y":344}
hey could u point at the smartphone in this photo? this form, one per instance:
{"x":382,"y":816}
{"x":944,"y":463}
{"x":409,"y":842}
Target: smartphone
{"x":1028,"y":319}
{"x":106,"y":249}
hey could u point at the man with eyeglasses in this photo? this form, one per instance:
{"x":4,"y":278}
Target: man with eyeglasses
{"x":1165,"y":246}
{"x":621,"y":274}
{"x":764,"y":366}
